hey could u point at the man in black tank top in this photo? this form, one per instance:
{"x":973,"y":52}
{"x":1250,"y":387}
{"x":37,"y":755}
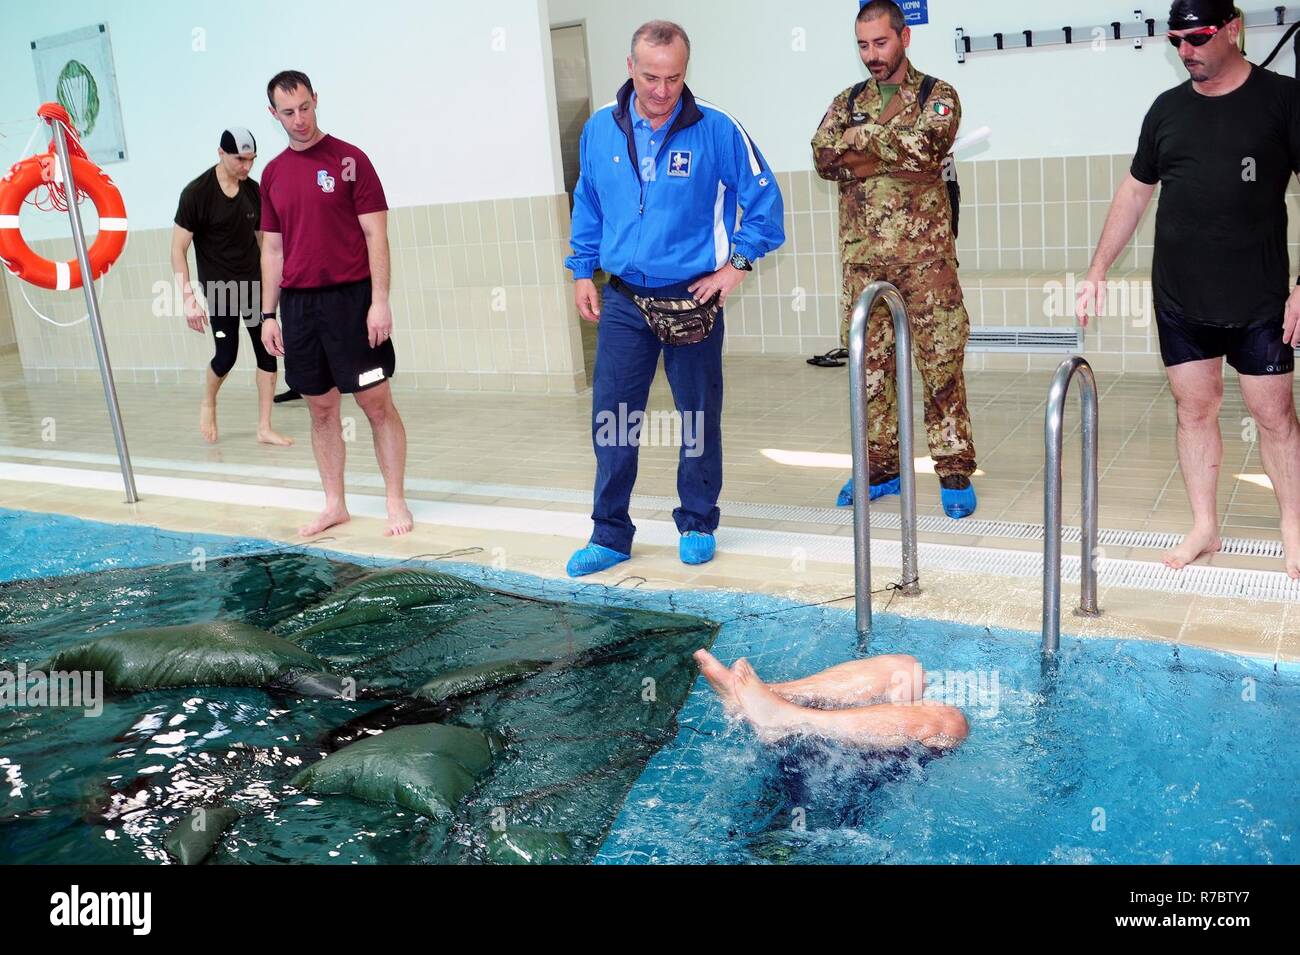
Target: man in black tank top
{"x":1223,"y":148}
{"x":220,"y":212}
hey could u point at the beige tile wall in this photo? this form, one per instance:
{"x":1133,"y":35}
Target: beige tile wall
{"x":480,"y":301}
{"x":1033,"y":223}
{"x":1042,"y":214}
{"x":1026,"y":226}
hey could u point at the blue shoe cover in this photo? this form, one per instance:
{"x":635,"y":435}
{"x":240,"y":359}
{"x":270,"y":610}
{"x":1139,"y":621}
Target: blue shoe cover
{"x":877,"y":491}
{"x":958,"y":503}
{"x":697,"y":548}
{"x":592,"y":559}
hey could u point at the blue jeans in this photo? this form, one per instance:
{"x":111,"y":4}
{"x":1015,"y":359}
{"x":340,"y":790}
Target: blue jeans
{"x":627,"y":355}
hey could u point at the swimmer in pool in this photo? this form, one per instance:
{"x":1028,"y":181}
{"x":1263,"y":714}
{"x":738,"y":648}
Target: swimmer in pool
{"x":874,"y":703}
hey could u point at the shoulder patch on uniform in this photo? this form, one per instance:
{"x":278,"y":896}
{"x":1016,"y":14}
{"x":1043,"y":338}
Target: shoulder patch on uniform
{"x":942,"y":108}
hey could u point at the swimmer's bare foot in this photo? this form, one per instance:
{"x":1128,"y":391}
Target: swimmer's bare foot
{"x":1291,"y":545}
{"x":208,"y":422}
{"x":271,"y":436}
{"x":772,"y":717}
{"x":720,"y":679}
{"x":948,"y":729}
{"x":330,"y":517}
{"x":400,"y":520}
{"x":1197,"y":544}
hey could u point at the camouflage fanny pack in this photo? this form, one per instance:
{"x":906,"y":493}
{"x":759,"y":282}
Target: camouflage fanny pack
{"x":675,"y":321}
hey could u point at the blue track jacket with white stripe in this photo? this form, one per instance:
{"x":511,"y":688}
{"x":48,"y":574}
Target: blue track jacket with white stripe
{"x":681,"y":224}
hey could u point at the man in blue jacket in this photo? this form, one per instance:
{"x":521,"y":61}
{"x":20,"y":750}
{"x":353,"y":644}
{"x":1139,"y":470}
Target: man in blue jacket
{"x":661,"y":177}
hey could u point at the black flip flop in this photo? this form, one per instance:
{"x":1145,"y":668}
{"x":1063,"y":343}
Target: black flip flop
{"x":831,"y":359}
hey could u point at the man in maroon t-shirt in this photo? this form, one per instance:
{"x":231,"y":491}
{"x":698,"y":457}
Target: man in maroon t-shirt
{"x":325,"y":262}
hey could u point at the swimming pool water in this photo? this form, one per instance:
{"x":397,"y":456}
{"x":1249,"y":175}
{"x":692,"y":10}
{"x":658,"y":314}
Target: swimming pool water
{"x":1131,"y":753}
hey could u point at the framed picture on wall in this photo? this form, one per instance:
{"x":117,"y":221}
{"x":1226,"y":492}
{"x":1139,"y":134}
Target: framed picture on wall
{"x":915,"y":12}
{"x":75,"y":70}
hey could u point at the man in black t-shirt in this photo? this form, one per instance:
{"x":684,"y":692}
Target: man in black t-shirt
{"x":1223,"y":147}
{"x":220,"y":212}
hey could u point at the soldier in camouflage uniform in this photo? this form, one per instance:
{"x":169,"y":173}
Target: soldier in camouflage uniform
{"x":889,"y":154}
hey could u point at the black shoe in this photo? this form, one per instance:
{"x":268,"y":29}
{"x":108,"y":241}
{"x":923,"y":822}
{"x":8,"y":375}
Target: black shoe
{"x":289,"y":395}
{"x":958,"y":482}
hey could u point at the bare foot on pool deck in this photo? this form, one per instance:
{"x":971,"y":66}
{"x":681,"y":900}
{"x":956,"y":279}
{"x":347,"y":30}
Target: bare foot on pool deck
{"x":330,"y":517}
{"x":720,"y":679}
{"x":1197,"y":544}
{"x":1291,"y":545}
{"x":269,"y":436}
{"x":400,"y":520}
{"x":208,"y":422}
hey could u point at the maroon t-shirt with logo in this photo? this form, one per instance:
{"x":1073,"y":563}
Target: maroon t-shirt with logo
{"x":312,"y":197}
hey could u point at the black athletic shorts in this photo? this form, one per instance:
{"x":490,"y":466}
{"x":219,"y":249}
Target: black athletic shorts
{"x":1251,"y":349}
{"x":326,"y":344}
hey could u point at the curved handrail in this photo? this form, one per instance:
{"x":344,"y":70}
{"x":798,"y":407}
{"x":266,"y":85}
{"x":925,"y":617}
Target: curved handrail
{"x":1054,"y":445}
{"x":861,"y":463}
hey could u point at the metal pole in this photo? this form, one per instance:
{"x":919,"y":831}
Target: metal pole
{"x":861,"y":467}
{"x":911,"y":582}
{"x":1054,"y":445}
{"x":1089,"y":538}
{"x":92,"y":309}
{"x":1052,"y":508}
{"x":861,"y":461}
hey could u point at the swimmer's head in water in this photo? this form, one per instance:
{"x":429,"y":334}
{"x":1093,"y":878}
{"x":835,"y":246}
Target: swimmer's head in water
{"x":1206,"y":34}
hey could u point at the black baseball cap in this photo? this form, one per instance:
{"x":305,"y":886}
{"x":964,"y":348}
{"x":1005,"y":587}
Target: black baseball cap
{"x":1193,"y":14}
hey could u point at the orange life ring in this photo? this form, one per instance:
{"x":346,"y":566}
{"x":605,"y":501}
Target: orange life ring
{"x":19,"y":258}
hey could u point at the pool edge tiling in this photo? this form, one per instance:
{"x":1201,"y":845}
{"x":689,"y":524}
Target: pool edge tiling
{"x":540,"y":541}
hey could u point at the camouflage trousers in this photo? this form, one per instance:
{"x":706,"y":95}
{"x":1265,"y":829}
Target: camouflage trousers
{"x":940,"y":330}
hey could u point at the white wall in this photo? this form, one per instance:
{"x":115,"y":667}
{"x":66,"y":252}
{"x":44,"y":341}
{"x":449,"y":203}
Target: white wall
{"x":1053,"y":101}
{"x":451,"y":100}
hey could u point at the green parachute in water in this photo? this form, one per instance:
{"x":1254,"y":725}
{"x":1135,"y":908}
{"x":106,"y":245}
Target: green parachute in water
{"x":479,"y":726}
{"x":78,"y":93}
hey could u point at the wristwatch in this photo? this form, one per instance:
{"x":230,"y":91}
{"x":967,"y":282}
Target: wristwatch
{"x":266,"y":315}
{"x":738,"y":261}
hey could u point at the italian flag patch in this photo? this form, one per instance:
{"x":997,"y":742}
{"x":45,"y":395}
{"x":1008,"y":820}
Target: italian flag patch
{"x":943,"y":109}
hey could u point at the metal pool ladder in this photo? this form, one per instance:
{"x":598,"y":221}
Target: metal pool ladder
{"x":861,"y":462}
{"x":1054,"y":439}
